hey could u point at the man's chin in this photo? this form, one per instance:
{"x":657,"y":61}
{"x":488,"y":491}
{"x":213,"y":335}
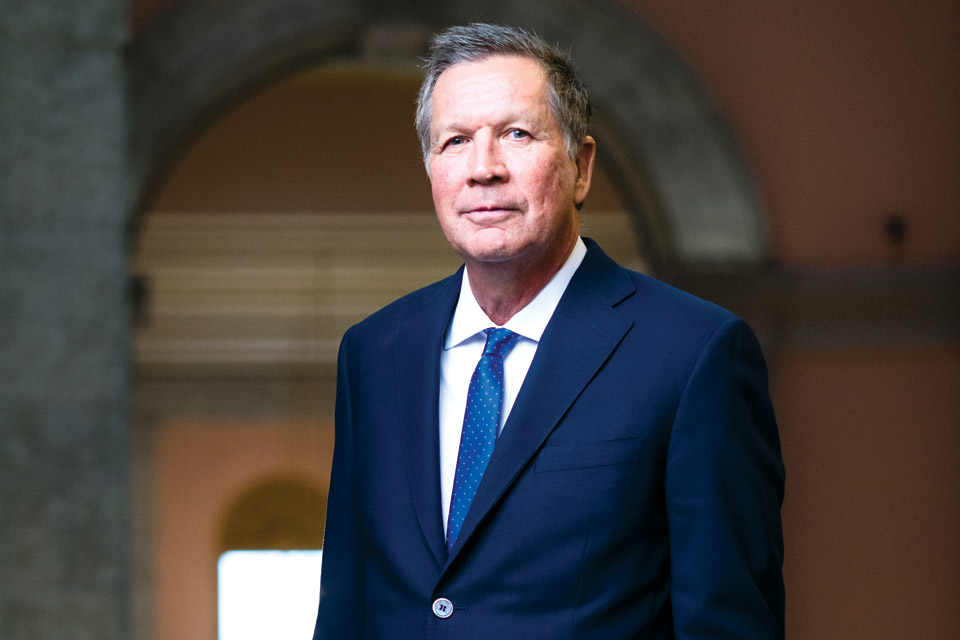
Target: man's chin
{"x":487,"y":247}
{"x":489,"y":256}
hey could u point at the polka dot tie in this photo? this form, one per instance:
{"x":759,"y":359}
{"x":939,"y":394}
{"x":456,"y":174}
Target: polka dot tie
{"x":480,"y":422}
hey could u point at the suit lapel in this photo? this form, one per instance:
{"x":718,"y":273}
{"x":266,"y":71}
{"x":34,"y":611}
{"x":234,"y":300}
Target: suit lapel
{"x":418,"y":344}
{"x":582,"y":334}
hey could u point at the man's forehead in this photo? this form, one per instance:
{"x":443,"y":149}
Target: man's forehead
{"x":481,"y":79}
{"x":506,"y":63}
{"x":464,"y":108}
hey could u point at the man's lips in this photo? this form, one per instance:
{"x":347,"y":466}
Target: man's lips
{"x":488,"y":207}
{"x":497,"y":208}
{"x":488,"y":215}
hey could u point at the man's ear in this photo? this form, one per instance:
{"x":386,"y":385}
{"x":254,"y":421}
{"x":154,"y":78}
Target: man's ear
{"x":584,"y":161}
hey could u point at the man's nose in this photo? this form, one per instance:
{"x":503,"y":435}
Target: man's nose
{"x":486,"y":161}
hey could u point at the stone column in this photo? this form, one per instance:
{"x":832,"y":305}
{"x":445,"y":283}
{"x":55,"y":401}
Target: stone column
{"x":64,"y":339}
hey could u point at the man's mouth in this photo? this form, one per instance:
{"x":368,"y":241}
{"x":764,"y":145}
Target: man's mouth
{"x":488,"y":214}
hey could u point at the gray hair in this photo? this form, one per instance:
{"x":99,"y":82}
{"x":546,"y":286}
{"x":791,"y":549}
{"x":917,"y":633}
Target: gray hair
{"x":568,"y":97}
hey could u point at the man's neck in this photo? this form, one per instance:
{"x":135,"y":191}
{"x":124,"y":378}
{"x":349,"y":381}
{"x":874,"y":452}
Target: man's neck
{"x":504,"y":288}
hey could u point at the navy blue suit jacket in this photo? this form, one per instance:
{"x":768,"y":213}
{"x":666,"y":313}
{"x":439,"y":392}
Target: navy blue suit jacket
{"x":635,"y":490}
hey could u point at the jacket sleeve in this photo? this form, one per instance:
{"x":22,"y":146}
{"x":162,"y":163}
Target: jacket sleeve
{"x":340,"y":614}
{"x":724,"y":488}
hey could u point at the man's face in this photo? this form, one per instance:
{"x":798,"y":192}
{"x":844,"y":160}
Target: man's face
{"x":503,"y":185}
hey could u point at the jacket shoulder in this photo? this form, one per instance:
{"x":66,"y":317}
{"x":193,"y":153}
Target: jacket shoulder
{"x":645,"y":299}
{"x":676,"y":304}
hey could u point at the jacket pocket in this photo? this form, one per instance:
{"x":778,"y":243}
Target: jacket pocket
{"x":589,"y":454}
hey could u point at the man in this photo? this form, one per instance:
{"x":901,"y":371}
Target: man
{"x":544,"y":445}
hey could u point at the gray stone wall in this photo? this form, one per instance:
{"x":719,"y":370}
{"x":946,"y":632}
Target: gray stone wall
{"x":64,"y":489}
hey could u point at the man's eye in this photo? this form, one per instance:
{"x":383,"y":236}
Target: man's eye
{"x":455,"y":141}
{"x":518,"y":134}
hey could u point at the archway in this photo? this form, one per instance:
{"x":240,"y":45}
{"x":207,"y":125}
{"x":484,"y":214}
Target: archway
{"x":662,"y":140}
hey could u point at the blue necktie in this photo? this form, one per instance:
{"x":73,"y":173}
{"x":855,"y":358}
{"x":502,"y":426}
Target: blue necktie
{"x":480,"y":423}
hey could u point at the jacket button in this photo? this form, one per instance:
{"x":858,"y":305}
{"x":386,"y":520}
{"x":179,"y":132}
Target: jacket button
{"x":442,"y":608}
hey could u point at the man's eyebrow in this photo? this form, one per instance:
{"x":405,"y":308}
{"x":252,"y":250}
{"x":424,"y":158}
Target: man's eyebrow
{"x":525,"y":121}
{"x":451,"y":126}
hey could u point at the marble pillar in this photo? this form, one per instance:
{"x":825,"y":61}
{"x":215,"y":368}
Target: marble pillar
{"x":64,"y":339}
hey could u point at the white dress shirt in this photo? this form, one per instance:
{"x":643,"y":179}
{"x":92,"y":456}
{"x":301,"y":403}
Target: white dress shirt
{"x":463,"y":347}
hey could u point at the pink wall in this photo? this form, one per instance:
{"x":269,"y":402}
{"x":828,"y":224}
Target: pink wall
{"x":871,"y":442}
{"x":847,"y":111}
{"x":200,"y":469}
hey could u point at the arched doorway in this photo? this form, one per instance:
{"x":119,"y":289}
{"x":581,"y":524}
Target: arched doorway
{"x":673,"y":160}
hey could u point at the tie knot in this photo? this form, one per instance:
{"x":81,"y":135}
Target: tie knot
{"x":499,"y":341}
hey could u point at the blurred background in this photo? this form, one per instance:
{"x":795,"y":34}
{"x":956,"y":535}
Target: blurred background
{"x":198,"y":197}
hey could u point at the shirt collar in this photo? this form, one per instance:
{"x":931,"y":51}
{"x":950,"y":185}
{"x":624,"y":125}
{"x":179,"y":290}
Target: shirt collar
{"x":530,"y":322}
